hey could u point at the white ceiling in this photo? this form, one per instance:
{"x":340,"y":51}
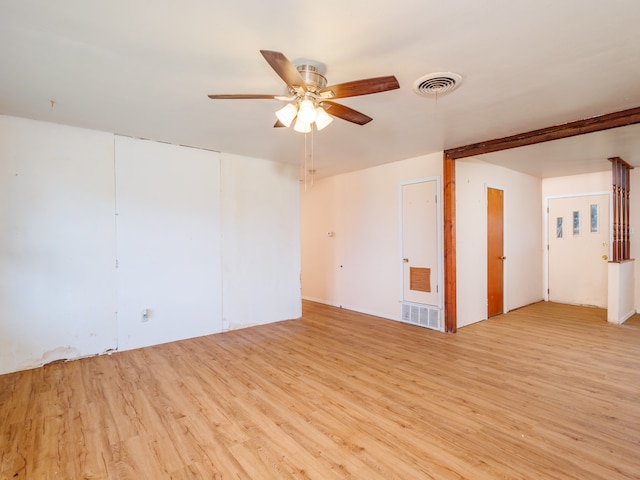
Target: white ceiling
{"x":144,"y":69}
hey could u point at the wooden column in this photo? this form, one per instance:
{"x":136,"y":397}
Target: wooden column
{"x":450,"y":287}
{"x":621,"y":186}
{"x":627,"y":228}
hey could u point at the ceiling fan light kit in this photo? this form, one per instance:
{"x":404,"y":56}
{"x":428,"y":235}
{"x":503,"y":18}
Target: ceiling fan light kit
{"x":310,"y":97}
{"x":286,"y":114}
{"x":301,"y":126}
{"x":307,"y":111}
{"x":323,"y":119}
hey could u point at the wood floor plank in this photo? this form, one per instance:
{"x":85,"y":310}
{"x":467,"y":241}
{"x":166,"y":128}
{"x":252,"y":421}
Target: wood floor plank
{"x":547,"y":391}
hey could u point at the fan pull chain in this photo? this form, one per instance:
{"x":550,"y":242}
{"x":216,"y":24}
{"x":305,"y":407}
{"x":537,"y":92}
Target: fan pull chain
{"x":308,"y":166}
{"x":304,"y":163}
{"x":312,"y":170}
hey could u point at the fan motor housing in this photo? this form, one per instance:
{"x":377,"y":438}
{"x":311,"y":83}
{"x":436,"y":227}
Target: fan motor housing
{"x":312,"y":76}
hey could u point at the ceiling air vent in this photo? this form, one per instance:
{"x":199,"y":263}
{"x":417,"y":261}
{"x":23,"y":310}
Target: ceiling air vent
{"x":436,"y":84}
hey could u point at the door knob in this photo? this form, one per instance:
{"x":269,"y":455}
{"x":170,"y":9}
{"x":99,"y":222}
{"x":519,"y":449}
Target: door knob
{"x":605,"y":257}
{"x":405,"y":260}
{"x":503,"y":257}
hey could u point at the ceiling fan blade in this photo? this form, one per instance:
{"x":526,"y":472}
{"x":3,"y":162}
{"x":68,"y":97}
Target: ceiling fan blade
{"x":278,"y":124}
{"x":360,"y":87}
{"x":285,"y":69}
{"x":245,"y":96}
{"x":346,"y":113}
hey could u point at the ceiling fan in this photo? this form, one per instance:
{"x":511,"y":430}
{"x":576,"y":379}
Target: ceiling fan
{"x":310,"y":100}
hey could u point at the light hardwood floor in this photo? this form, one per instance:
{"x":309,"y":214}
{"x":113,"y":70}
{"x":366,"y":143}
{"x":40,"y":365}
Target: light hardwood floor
{"x":544,"y":392}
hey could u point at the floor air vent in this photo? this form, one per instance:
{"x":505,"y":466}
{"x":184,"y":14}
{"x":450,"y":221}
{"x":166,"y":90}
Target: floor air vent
{"x":422,"y":315}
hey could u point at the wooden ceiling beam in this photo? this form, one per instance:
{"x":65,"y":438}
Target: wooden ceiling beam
{"x":557,"y":132}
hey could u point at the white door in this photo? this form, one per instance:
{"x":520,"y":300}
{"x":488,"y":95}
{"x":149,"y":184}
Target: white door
{"x":420,"y":259}
{"x":579,"y":249}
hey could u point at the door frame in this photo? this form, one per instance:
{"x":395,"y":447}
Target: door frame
{"x":493,"y":186}
{"x":545,"y":273}
{"x":439,"y":238}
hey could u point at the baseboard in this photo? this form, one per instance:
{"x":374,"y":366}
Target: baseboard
{"x":627,"y":316}
{"x":353,"y":309}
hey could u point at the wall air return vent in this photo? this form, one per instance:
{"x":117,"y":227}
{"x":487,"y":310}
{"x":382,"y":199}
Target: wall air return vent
{"x":436,"y":84}
{"x":422,"y":315}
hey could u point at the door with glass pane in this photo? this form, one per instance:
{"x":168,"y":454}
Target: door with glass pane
{"x":579,"y":247}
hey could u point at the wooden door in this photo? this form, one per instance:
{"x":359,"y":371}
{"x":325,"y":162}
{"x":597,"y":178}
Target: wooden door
{"x":579,"y":249}
{"x":420,"y":242}
{"x":495,"y":251}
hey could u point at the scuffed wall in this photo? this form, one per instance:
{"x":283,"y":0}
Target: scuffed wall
{"x":205,"y":242}
{"x":57,"y":247}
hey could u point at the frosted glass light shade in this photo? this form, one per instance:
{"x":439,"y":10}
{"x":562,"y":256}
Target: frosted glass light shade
{"x":301,"y":126}
{"x":323,"y":119}
{"x":286,"y":114}
{"x":307,"y":111}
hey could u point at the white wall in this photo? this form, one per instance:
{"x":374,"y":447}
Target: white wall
{"x":621,"y":286}
{"x":205,"y":241}
{"x":634,"y":223}
{"x":522,"y":238}
{"x":359,"y":266}
{"x":576,"y":184}
{"x":168,"y":239}
{"x":260,"y":242}
{"x":57,"y":247}
{"x":318,"y":218}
